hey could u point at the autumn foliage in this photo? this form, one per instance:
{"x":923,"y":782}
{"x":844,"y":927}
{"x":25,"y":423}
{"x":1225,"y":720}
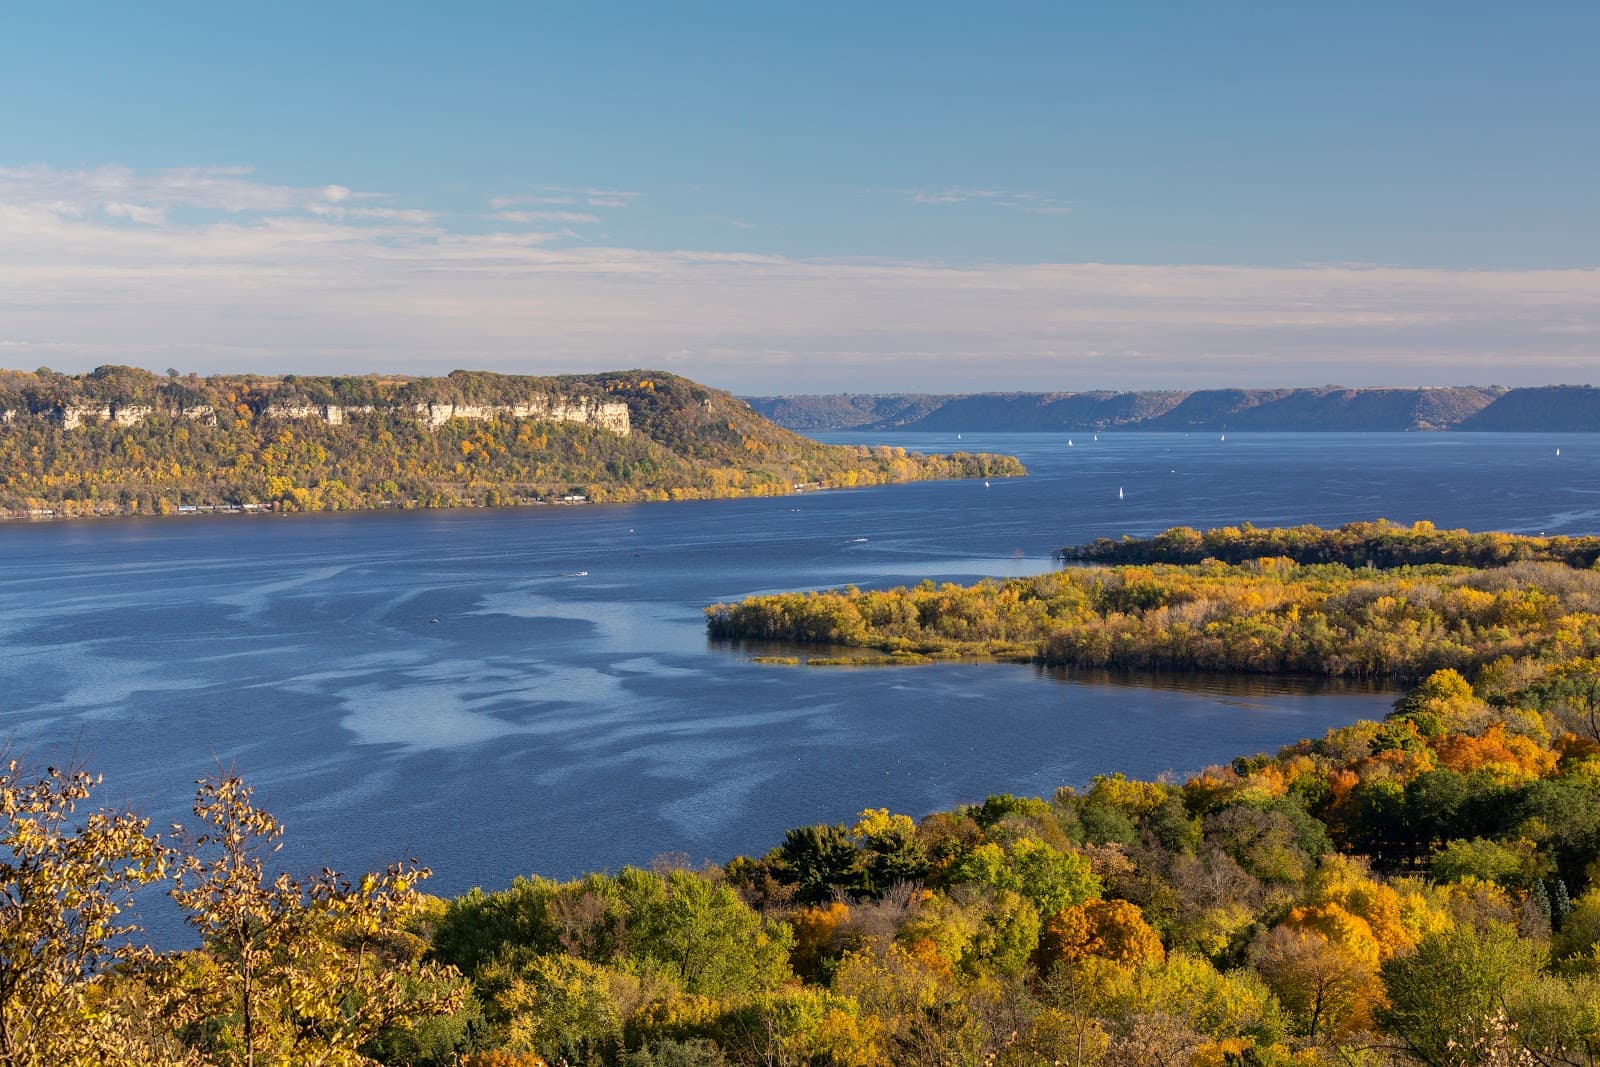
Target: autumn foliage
{"x":1112,"y":930}
{"x":1260,"y":616}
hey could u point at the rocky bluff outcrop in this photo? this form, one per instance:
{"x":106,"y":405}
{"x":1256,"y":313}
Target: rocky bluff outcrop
{"x":605,"y":415}
{"x":73,"y":416}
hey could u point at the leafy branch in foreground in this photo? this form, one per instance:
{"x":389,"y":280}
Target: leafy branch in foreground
{"x":289,"y":972}
{"x":63,"y":892}
{"x":301,"y":972}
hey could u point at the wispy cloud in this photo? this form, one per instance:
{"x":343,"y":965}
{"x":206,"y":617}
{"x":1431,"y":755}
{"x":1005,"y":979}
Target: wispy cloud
{"x":561,"y":194}
{"x":609,"y":198}
{"x":211,"y":270}
{"x":545,"y":216}
{"x":499,"y":202}
{"x":383,"y":214}
{"x":150,"y":216}
{"x":1033,"y":203}
{"x":223,"y":189}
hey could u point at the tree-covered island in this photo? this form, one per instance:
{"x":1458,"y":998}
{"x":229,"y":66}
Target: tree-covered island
{"x":123,"y":441}
{"x":1421,"y":600}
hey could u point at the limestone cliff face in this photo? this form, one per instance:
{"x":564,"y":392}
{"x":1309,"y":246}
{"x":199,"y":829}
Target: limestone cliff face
{"x":335,"y":414}
{"x":294,"y":411}
{"x":75,"y":415}
{"x":607,"y":415}
{"x":603,"y":414}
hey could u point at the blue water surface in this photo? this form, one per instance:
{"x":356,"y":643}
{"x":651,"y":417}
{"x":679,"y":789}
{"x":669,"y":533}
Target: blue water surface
{"x":506,"y":692}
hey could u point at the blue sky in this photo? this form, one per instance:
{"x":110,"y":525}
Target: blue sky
{"x":816,"y":197}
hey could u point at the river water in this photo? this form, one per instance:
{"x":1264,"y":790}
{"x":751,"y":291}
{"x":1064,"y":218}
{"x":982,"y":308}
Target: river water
{"x":507,"y":692}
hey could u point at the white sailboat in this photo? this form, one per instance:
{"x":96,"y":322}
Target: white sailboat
{"x":1119,"y":492}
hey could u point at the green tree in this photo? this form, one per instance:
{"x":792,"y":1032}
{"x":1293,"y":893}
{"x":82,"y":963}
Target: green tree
{"x":700,"y":935}
{"x":1579,"y":936}
{"x":1562,"y":814}
{"x":821,"y":859}
{"x":695,"y":1052}
{"x":563,"y":1007}
{"x":891,"y":851}
{"x":1445,"y":999}
{"x":1052,"y":879}
{"x":477,"y":926}
{"x":1513,"y":866}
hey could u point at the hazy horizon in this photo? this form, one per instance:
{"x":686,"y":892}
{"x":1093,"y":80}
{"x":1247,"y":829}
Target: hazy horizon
{"x":1245,"y":386}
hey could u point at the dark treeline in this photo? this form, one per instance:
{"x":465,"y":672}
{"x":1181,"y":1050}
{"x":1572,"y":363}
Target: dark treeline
{"x":1358,"y":544}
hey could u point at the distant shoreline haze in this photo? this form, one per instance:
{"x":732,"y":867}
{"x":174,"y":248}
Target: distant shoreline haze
{"x":1555,"y":408}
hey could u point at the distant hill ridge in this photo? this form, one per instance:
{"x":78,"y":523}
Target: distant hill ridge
{"x":120,"y":441}
{"x":1556,"y":408}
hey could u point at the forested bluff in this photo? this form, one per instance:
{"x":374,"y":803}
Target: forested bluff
{"x":120,"y":441}
{"x":1560,"y":408}
{"x":1419,"y":891}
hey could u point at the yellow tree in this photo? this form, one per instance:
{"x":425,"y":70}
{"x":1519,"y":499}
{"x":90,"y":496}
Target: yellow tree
{"x":293,"y":973}
{"x":1323,"y":985}
{"x":1344,"y":885}
{"x":918,"y":1011}
{"x":1112,"y":930}
{"x":63,"y":888}
{"x":818,"y":937}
